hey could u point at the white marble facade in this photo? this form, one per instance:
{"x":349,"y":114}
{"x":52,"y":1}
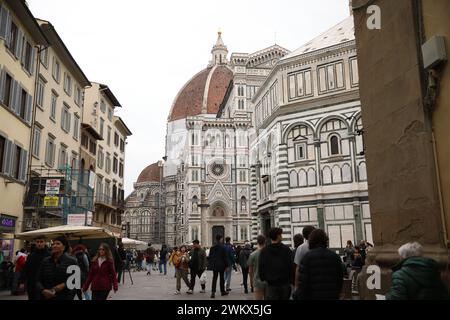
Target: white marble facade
{"x":285,"y":147}
{"x":307,"y":154}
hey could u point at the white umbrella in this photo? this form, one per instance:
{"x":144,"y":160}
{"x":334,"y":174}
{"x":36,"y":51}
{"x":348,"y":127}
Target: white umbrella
{"x":71,"y":232}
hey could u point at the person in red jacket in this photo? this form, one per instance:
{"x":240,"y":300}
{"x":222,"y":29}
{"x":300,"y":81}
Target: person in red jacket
{"x":102,"y":274}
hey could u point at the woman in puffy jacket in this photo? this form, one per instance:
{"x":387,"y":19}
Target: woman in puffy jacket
{"x":102,"y":275}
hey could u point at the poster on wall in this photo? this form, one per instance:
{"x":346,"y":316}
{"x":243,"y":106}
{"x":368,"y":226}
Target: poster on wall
{"x":52,"y":186}
{"x":7,"y":248}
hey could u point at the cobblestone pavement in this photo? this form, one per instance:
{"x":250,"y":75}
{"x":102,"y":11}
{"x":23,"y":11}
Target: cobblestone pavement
{"x":162,"y":287}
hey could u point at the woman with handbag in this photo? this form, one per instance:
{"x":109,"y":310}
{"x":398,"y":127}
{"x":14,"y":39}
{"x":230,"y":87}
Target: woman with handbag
{"x":102,"y":274}
{"x":181,"y":263}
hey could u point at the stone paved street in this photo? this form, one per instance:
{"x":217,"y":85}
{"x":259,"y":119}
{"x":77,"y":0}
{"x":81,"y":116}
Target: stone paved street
{"x":162,"y":287}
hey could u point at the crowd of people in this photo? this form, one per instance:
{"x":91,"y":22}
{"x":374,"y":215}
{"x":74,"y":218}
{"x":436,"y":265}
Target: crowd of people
{"x":271,"y":270}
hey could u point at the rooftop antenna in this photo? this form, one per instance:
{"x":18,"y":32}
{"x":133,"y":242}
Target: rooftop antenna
{"x":275,"y":36}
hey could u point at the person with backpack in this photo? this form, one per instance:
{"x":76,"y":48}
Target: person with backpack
{"x":79,"y":253}
{"x":244,"y":255}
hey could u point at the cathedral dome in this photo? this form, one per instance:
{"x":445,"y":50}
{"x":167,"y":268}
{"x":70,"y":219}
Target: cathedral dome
{"x":151,"y":173}
{"x":203,"y":94}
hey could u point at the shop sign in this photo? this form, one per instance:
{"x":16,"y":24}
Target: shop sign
{"x":51,"y":201}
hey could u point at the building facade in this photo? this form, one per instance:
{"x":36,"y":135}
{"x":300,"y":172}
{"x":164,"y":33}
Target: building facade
{"x":110,"y":155}
{"x":55,"y":143}
{"x":307,"y":153}
{"x":144,"y":217}
{"x":405,"y":103}
{"x":20,"y":39}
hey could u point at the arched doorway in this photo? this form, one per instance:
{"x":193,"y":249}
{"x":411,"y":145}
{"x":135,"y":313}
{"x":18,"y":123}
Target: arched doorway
{"x":216,"y":230}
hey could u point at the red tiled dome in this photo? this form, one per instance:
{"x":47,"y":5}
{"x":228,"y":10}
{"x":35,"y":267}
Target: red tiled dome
{"x":151,"y":173}
{"x":190,"y":100}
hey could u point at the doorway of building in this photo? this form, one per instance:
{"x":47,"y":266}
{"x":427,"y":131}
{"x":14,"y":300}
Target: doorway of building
{"x":216,"y":230}
{"x":267,"y":225}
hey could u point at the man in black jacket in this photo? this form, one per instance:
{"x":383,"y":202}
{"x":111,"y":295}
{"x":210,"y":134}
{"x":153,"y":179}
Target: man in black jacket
{"x":197,"y":264}
{"x":53,"y":273}
{"x":321,"y":271}
{"x":218,"y":262}
{"x":275,"y":267}
{"x":31,"y":268}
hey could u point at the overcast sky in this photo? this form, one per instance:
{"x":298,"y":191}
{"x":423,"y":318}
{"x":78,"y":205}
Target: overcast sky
{"x":145,"y":51}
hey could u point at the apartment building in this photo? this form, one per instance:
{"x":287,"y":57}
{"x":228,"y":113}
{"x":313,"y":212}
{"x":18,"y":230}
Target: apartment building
{"x":100,"y":104}
{"x":20,"y":40}
{"x":55,"y":148}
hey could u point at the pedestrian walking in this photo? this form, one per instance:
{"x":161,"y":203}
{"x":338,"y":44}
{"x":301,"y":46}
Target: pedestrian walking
{"x":52,"y":275}
{"x":32,"y":265}
{"x":231,"y":262}
{"x":236,"y":258}
{"x":197,"y":265}
{"x":79,"y":253}
{"x":163,"y":259}
{"x":181,"y":263}
{"x":257,"y":285}
{"x":275,"y":267}
{"x":244,"y":255}
{"x":123,"y":261}
{"x":321,"y":271}
{"x":172,"y":255}
{"x":156,"y":261}
{"x":349,"y":252}
{"x":218,"y":262}
{"x":18,"y":281}
{"x":301,"y":252}
{"x":102,"y":275}
{"x":416,"y":277}
{"x":149,"y":258}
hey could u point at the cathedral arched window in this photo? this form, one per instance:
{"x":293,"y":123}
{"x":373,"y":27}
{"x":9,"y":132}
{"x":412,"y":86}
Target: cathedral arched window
{"x":227,"y":141}
{"x":195,"y":204}
{"x":335,"y":145}
{"x":293,"y":179}
{"x":243,"y":204}
{"x":218,"y":141}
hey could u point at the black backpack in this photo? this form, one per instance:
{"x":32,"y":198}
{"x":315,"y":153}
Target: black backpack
{"x":80,"y":262}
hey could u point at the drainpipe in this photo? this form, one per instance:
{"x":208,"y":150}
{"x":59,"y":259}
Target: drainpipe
{"x":33,"y":120}
{"x":441,"y":201}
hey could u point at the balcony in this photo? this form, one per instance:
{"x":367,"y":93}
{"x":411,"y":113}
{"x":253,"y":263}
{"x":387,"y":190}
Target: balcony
{"x":105,"y":200}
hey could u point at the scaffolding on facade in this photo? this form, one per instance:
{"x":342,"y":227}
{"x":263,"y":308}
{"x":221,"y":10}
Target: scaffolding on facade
{"x":58,"y":197}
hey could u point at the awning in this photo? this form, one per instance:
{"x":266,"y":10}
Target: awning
{"x":71,"y":232}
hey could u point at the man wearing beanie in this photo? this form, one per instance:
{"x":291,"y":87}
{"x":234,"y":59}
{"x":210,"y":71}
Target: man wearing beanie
{"x":52,"y":276}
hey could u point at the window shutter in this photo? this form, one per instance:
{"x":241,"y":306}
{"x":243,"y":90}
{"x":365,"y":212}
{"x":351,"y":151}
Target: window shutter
{"x":3,"y":14}
{"x":29,"y":110}
{"x":5,"y":24}
{"x":33,"y":58}
{"x":63,"y":117}
{"x":69,"y":120}
{"x":7,"y":157}
{"x":15,"y":97}
{"x":2,"y":85}
{"x":23,"y":165}
{"x":19,"y":44}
